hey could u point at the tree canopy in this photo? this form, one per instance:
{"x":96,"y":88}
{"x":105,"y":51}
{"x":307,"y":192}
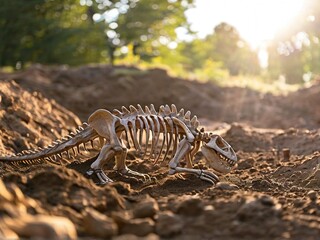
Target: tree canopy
{"x":295,"y":52}
{"x":47,"y":31}
{"x":223,"y":46}
{"x":77,"y":32}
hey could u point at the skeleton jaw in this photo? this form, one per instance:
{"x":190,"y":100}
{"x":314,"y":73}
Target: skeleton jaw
{"x":219,"y":154}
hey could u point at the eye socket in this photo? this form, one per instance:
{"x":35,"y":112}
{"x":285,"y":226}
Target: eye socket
{"x":220,"y":143}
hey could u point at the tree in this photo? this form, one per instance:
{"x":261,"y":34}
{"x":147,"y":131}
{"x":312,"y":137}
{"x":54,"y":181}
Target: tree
{"x":295,"y":51}
{"x":224,"y":46}
{"x":147,"y":24}
{"x":76,"y":32}
{"x":233,"y":51}
{"x":47,"y":31}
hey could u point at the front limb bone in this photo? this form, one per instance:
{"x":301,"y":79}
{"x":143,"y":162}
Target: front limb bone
{"x":107,"y":152}
{"x":182,"y":151}
{"x":202,"y":174}
{"x":126,"y":172}
{"x":183,"y":148}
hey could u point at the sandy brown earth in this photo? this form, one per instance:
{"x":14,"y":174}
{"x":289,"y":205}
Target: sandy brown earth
{"x":272,"y":194}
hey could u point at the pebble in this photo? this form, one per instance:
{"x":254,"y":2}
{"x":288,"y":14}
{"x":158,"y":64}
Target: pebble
{"x":168,"y":224}
{"x":298,"y":203}
{"x":146,"y":209}
{"x":191,"y":207}
{"x":261,"y":184}
{"x":43,"y":227}
{"x":23,"y":115}
{"x":138,"y":226}
{"x":16,"y":193}
{"x":6,"y":233}
{"x":226,"y":186}
{"x":121,"y":217}
{"x":267,"y":200}
{"x":246,"y":164}
{"x":5,"y":195}
{"x":99,"y":225}
{"x":150,"y":236}
{"x":312,"y":195}
{"x":255,"y":209}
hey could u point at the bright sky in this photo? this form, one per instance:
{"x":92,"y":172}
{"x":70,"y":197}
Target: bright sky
{"x":256,"y":20}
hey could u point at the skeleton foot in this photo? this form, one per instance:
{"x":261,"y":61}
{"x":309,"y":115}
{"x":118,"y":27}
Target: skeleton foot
{"x":202,"y":174}
{"x":98,"y":176}
{"x":128,"y":173}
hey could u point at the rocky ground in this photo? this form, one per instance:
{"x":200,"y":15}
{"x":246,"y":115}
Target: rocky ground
{"x":272,"y":194}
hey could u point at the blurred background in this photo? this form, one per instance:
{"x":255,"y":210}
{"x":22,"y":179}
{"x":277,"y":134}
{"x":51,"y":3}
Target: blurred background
{"x":241,"y":42}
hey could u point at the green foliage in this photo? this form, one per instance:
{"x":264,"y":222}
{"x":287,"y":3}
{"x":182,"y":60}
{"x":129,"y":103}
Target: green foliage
{"x":223,"y":50}
{"x":296,"y":52}
{"x":213,"y":71}
{"x":147,"y":24}
{"x":140,"y":32}
{"x":150,"y":19}
{"x":47,"y":31}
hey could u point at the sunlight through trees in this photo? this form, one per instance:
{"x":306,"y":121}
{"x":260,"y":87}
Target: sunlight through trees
{"x":76,"y":32}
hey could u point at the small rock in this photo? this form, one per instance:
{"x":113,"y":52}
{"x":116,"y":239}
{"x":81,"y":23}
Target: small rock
{"x":286,"y":154}
{"x":168,"y":224}
{"x":312,"y":195}
{"x":43,"y":227}
{"x":261,"y":184}
{"x":267,"y":200}
{"x":226,"y":186}
{"x":256,"y":209}
{"x":246,"y":164}
{"x":139,"y":226}
{"x":23,"y":115}
{"x":5,"y":195}
{"x":99,"y":225}
{"x":145,"y":209}
{"x":6,"y":233}
{"x":16,"y":193}
{"x":150,"y":236}
{"x":191,"y":207}
{"x":79,"y":200}
{"x":298,"y":203}
{"x":121,"y":217}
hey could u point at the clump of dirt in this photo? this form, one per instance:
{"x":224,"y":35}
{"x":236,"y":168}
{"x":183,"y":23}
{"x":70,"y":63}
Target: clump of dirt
{"x":273,"y":193}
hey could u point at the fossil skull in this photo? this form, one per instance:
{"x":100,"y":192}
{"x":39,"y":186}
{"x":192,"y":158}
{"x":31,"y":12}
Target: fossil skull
{"x":219,"y":154}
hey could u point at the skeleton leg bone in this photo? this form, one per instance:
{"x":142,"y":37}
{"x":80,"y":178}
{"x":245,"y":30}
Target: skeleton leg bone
{"x":183,"y":150}
{"x":126,"y":172}
{"x":202,"y":174}
{"x":107,"y":152}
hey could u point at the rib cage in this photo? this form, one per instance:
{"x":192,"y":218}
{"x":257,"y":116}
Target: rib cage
{"x":150,"y":123}
{"x":137,"y":128}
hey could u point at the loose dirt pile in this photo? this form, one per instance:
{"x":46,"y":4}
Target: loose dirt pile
{"x":272,"y":194}
{"x":28,"y":119}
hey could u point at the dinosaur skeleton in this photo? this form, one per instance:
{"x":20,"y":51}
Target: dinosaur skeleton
{"x":113,"y":133}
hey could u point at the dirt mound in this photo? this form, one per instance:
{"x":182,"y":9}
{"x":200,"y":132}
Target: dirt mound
{"x":90,"y":88}
{"x":304,"y":103}
{"x":27,"y":119}
{"x":85,"y":89}
{"x":304,"y":173}
{"x":272,"y":194}
{"x":250,"y":139}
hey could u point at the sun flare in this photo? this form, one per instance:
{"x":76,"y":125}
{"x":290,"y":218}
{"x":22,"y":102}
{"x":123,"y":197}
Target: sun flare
{"x":256,"y":21}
